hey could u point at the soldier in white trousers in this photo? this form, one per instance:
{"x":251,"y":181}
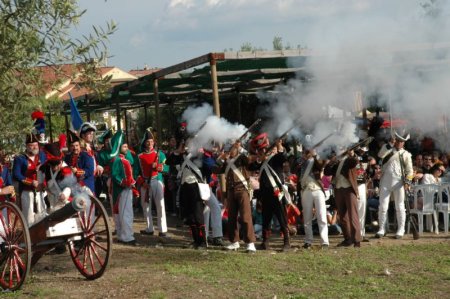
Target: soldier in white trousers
{"x":151,"y":166}
{"x":397,"y":173}
{"x":313,"y":197}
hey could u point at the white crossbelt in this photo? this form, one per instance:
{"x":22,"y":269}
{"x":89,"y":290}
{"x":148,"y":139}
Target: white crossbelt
{"x":231,"y":166}
{"x":284,"y":190}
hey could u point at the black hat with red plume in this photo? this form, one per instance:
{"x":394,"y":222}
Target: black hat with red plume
{"x":31,"y":138}
{"x":53,"y":151}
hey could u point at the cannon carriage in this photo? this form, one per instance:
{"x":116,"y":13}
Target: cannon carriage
{"x":82,"y":225}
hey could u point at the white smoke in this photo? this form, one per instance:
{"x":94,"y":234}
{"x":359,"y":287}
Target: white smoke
{"x":214,"y":129}
{"x":402,"y":63}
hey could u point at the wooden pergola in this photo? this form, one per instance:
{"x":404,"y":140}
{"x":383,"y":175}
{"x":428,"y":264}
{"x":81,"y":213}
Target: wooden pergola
{"x":228,"y":74}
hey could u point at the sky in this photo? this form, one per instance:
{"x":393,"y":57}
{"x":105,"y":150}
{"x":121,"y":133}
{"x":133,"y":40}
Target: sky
{"x":394,"y":49}
{"x":160,"y":33}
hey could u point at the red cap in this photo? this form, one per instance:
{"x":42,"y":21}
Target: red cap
{"x":259,"y":142}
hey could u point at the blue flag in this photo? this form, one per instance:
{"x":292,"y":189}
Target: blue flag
{"x":75,"y":114}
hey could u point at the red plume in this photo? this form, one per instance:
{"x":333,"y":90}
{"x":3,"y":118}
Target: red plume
{"x":37,"y":115}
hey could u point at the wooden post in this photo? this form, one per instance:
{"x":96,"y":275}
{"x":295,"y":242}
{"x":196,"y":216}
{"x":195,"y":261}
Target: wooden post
{"x":215,"y":87}
{"x":88,"y":111}
{"x":157,"y":116}
{"x":50,"y":124}
{"x":216,"y":105}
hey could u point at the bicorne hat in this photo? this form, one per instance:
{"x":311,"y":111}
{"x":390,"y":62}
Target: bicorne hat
{"x":53,"y":151}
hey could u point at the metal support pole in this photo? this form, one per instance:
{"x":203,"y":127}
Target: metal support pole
{"x":66,"y":120}
{"x":157,"y":116}
{"x":215,"y":87}
{"x":49,"y":114}
{"x":126,"y":124}
{"x":239,"y":98}
{"x":88,"y":110}
{"x":145,"y":114}
{"x":118,"y":112}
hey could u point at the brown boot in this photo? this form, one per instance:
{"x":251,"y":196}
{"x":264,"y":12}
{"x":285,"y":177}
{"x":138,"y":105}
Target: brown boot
{"x":265,"y":243}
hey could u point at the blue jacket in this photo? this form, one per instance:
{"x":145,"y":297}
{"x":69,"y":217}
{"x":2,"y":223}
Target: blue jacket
{"x":86,"y":166}
{"x":21,"y":173}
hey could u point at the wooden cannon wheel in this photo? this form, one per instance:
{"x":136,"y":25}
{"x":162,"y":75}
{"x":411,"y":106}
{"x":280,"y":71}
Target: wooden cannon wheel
{"x":15,"y":247}
{"x":92,"y":253}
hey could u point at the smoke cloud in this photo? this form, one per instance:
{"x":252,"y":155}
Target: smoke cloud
{"x":214,"y":129}
{"x":400,"y":63}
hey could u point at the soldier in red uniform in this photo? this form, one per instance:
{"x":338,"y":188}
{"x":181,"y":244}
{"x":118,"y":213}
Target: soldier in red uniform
{"x":152,"y":164}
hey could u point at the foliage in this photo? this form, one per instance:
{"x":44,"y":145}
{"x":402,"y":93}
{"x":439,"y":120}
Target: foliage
{"x":37,"y":33}
{"x":277,"y":43}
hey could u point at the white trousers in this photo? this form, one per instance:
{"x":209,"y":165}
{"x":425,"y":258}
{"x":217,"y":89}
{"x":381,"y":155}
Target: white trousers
{"x":362,"y":205}
{"x":125,"y":229}
{"x":32,"y":201}
{"x":212,"y":212}
{"x":310,"y":200}
{"x":398,"y":193}
{"x":2,"y":228}
{"x":156,"y":196}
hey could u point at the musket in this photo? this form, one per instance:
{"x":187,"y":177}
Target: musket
{"x":364,"y":142}
{"x":270,"y":148}
{"x":242,"y":136}
{"x":409,"y":218}
{"x":249,"y":130}
{"x":322,"y":141}
{"x":200,"y":128}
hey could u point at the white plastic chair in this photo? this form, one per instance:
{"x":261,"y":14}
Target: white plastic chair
{"x":444,"y":207}
{"x":424,"y":198}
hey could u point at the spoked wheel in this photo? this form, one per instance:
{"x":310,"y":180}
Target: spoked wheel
{"x":91,"y":254}
{"x":15,"y":247}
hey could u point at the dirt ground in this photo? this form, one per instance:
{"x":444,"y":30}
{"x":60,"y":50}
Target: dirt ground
{"x":141,"y":271}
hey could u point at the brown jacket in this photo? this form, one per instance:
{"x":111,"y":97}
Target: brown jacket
{"x":233,"y":181}
{"x":348,"y":170}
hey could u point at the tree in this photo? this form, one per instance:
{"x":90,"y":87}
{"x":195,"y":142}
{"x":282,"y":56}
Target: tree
{"x":36,"y":33}
{"x":277,"y":43}
{"x":247,"y":46}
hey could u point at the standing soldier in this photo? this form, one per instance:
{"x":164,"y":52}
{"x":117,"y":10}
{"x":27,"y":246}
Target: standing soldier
{"x":362,"y":179}
{"x":346,"y":196}
{"x":123,"y":185}
{"x":235,"y":165}
{"x":80,"y":161}
{"x":394,"y":182}
{"x":313,"y":199}
{"x":25,"y":170}
{"x":87,"y":131}
{"x":271,"y":187}
{"x":152,"y":164}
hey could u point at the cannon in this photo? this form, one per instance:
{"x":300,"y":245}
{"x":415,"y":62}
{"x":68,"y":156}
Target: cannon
{"x":82,"y":225}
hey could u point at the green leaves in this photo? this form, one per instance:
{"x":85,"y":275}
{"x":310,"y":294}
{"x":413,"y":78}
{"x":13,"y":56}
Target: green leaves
{"x":35,"y":33}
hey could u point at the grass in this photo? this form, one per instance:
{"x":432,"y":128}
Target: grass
{"x":415,"y":270}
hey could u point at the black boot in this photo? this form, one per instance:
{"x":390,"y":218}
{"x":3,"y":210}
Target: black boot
{"x":265,"y":242}
{"x":194,"y":231}
{"x":202,"y":238}
{"x":286,"y":240}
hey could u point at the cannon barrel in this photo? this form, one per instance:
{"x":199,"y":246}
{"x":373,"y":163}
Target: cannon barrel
{"x":38,"y":230}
